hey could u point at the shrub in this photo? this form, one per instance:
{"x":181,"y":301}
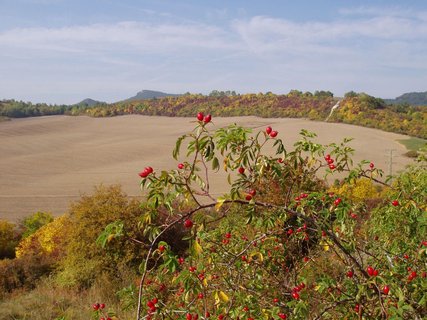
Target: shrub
{"x":34,"y":222}
{"x":8,"y":239}
{"x":278,"y":244}
{"x":84,"y":259}
{"x":47,"y":240}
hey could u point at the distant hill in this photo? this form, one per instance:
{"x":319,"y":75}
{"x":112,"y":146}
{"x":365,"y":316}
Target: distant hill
{"x":89,"y":102}
{"x":411,"y":98}
{"x":150,"y":94}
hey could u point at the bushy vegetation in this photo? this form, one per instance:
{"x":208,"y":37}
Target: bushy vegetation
{"x":8,"y":239}
{"x":356,"y":108}
{"x":281,"y":244}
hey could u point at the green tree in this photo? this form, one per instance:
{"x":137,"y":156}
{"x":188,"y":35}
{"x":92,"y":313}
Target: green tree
{"x":34,"y":222}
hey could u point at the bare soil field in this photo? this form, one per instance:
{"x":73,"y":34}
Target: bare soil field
{"x":47,"y":162}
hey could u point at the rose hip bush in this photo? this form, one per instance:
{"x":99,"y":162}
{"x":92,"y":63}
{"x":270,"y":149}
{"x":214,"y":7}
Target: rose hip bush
{"x":278,"y":245}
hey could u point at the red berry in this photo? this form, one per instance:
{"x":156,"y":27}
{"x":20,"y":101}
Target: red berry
{"x":180,"y":166}
{"x":207,"y":314}
{"x":375,"y":272}
{"x":357,"y":308}
{"x":330,"y":161}
{"x":96,"y":306}
{"x":228,"y":235}
{"x":273,"y":133}
{"x":350,"y":274}
{"x":282,"y":316}
{"x":252,"y":192}
{"x":332,"y":166}
{"x":370,"y":271}
{"x":245,"y":308}
{"x":386,"y":290}
{"x":102,"y":306}
{"x":181,"y":260}
{"x":200,"y":116}
{"x":221,"y":317}
{"x":200,"y":295}
{"x":150,"y":304}
{"x":143,"y":174}
{"x":306,"y":259}
{"x":327,"y":157}
{"x":188,"y":316}
{"x":162,"y":248}
{"x":192,"y":269}
{"x":241,"y":170}
{"x":155,"y":300}
{"x":268,"y":130}
{"x":371,"y":165}
{"x":295,"y":295}
{"x":109,"y":318}
{"x":337,"y":201}
{"x":188,"y":223}
{"x":149,"y":169}
{"x":395,"y":203}
{"x":248,"y":197}
{"x":207,"y":118}
{"x":275,"y":300}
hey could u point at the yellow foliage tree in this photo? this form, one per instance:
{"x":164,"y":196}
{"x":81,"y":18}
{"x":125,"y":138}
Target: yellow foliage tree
{"x":46,"y":240}
{"x":357,"y":190}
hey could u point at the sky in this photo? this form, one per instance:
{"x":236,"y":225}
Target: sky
{"x":63,"y":51}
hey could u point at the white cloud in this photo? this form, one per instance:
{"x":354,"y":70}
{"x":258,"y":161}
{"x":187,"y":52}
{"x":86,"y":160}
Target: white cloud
{"x":362,"y":49}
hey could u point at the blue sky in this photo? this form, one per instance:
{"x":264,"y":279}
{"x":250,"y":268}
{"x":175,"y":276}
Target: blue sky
{"x":60,"y":51}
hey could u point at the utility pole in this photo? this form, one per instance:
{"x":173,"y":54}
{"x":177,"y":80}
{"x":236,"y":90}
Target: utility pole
{"x":390,"y":161}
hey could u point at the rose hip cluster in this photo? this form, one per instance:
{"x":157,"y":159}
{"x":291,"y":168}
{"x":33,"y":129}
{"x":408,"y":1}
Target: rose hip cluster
{"x":146,"y":172}
{"x":330,"y":162}
{"x":99,"y":308}
{"x":296,"y":290}
{"x":202,"y":117}
{"x":151,"y":304}
{"x":272,"y":133}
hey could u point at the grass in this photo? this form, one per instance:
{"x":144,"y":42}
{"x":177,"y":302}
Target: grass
{"x":413,"y":144}
{"x":49,"y":301}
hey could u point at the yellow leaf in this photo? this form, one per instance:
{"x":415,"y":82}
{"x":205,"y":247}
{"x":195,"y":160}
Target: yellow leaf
{"x":223,"y":297}
{"x":325,"y":245}
{"x":219,"y":203}
{"x":110,"y":237}
{"x":197,"y":248}
{"x":205,"y":282}
{"x":257,"y":256}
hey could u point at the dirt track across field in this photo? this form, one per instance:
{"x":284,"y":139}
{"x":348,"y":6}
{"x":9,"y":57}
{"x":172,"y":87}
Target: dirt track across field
{"x":47,"y":162}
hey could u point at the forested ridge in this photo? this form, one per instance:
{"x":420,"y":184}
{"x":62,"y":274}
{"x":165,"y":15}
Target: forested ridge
{"x":358,"y":109}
